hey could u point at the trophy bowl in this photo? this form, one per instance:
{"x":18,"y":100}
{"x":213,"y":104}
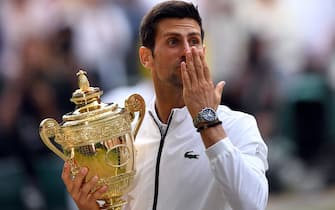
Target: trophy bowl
{"x":100,"y":137}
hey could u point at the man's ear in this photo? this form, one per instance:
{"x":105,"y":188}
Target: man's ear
{"x":145,"y":57}
{"x":204,"y":49}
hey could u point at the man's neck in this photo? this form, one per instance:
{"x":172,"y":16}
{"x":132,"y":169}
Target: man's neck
{"x":165,"y":103}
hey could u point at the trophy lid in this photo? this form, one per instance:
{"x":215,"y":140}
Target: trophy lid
{"x":88,"y":102}
{"x":85,"y":94}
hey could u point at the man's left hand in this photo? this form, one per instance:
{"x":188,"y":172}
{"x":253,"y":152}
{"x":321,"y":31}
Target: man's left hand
{"x":199,"y":90}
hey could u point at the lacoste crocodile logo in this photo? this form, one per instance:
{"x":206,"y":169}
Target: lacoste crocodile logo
{"x":191,"y":156}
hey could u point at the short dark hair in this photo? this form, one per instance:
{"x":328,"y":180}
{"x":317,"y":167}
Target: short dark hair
{"x":166,"y":9}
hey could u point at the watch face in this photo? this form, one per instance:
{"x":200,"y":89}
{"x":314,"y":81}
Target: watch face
{"x":209,"y":114}
{"x":204,"y":116}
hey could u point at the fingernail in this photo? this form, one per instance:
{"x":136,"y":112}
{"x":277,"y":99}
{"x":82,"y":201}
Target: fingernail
{"x":83,"y":170}
{"x":104,"y":188}
{"x":95,"y":178}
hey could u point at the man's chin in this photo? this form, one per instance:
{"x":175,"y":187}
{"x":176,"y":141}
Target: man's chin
{"x":176,"y":81}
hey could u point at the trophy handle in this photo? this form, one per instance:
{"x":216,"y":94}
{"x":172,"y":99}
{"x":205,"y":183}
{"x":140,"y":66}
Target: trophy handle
{"x":50,"y":128}
{"x":135,"y":103}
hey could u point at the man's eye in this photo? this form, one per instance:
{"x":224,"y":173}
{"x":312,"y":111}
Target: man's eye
{"x":194,"y":42}
{"x":172,"y":41}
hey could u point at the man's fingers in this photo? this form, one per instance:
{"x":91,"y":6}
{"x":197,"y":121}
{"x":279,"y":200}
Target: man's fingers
{"x":98,"y":193}
{"x":184,"y":75}
{"x":86,"y":191}
{"x":80,"y":191}
{"x":79,"y":180}
{"x":89,"y":186}
{"x":205,"y":71}
{"x":190,"y":67}
{"x":219,"y":89}
{"x":198,"y":63}
{"x":66,"y":176}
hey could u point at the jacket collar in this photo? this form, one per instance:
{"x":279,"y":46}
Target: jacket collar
{"x":179,"y":114}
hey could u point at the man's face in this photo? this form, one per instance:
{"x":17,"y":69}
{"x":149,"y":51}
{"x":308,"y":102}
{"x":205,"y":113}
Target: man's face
{"x":174,"y":37}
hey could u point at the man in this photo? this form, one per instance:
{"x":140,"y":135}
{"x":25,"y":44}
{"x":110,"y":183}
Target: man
{"x":220,"y":167}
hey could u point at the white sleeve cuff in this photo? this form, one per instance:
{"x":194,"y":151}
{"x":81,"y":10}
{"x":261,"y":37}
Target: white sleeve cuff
{"x":224,"y":146}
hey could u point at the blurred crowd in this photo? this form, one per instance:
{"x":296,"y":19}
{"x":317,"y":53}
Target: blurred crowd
{"x":276,"y":56}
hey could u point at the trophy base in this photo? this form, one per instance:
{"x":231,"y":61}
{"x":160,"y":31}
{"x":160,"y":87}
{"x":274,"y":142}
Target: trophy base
{"x":114,"y":204}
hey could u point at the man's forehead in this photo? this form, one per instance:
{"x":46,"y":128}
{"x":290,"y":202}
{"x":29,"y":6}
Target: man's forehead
{"x":178,"y":26}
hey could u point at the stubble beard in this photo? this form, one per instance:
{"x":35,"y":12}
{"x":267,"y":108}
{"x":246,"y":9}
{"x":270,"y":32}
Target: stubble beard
{"x":175,"y":79}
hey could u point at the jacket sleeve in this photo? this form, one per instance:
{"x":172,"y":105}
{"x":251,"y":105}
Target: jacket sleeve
{"x":239,"y":162}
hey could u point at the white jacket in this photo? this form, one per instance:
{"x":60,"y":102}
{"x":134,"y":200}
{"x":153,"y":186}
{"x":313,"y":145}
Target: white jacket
{"x":174,"y":171}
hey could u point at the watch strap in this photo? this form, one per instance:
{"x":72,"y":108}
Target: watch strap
{"x":209,"y":125}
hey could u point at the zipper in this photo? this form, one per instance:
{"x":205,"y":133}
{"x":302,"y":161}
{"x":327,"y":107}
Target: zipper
{"x":158,"y":159}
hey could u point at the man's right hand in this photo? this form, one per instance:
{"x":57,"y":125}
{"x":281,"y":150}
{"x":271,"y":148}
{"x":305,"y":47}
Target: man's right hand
{"x":81,"y":191}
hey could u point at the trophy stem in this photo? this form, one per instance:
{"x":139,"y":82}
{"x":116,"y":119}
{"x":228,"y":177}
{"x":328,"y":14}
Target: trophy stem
{"x":115,"y":203}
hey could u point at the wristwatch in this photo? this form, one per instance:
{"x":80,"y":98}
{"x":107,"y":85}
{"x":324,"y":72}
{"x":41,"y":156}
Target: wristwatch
{"x":205,"y":116}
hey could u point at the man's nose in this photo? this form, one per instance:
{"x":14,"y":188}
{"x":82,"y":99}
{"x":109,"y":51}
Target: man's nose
{"x":186,"y":49}
{"x":187,"y":46}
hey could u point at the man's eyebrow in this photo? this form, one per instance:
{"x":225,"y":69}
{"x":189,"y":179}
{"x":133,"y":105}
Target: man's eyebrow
{"x":179,"y":34}
{"x":194,"y":34}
